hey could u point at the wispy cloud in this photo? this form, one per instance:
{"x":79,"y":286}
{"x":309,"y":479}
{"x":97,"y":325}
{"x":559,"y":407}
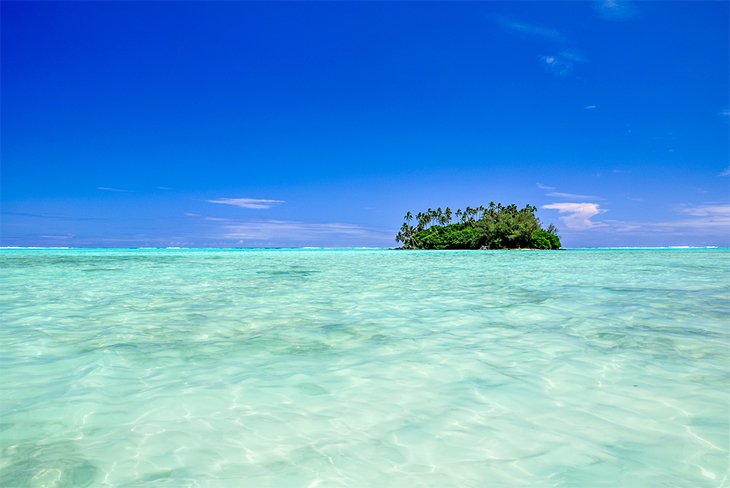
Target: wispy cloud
{"x":616,"y":9}
{"x":706,"y":219}
{"x":533,"y":30}
{"x":552,"y":192}
{"x":56,"y":217}
{"x":590,"y":107}
{"x":726,"y":172}
{"x":718,"y":210}
{"x":577,"y":215}
{"x":210,"y":219}
{"x":267,"y":230}
{"x":573,"y":55}
{"x":254,"y":203}
{"x":556,"y":66}
{"x":706,"y":222}
{"x":562,"y":64}
{"x":107,"y":188}
{"x":572,"y":196}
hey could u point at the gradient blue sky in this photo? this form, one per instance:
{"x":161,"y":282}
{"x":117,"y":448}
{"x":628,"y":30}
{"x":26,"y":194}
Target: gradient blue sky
{"x":320,"y":124}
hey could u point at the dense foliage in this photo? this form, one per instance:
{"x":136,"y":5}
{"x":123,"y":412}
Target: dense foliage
{"x":492,"y":227}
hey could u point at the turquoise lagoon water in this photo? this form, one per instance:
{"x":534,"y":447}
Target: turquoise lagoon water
{"x":304,"y":368}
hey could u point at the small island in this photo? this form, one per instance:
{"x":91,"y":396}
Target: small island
{"x":493,"y":227}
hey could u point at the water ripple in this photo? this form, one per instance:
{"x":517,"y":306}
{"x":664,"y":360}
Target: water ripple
{"x":361,"y":368}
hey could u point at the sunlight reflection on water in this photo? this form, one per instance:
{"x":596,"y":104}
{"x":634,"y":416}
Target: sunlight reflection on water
{"x":356,"y":368}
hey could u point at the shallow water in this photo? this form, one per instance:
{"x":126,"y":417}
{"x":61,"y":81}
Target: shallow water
{"x":308,"y":368}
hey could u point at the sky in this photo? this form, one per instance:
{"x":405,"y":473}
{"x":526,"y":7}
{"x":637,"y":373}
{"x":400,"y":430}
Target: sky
{"x":264,"y":124}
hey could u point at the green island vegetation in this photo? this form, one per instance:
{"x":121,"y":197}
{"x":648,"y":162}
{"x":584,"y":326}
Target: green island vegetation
{"x":492,"y":227}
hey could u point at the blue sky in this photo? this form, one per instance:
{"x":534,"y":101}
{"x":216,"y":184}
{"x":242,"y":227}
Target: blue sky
{"x":321,"y":124}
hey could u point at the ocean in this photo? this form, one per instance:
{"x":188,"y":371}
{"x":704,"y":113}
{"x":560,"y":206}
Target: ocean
{"x":360,"y":368}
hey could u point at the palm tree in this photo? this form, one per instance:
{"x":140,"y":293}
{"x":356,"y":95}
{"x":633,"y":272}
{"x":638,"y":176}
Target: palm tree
{"x":496,"y":226}
{"x":440,"y":216}
{"x":472,"y":213}
{"x":407,"y":236}
{"x":421,"y":220}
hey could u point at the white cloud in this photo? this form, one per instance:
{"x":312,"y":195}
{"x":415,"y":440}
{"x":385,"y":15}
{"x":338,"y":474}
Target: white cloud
{"x":254,"y":203}
{"x":700,"y":224}
{"x":530,"y":29}
{"x":294,"y":231}
{"x":106,"y":188}
{"x":556,"y":66}
{"x":621,"y":226}
{"x":572,"y":196}
{"x":590,"y":107}
{"x":578,"y":214}
{"x":705,"y":220}
{"x":686,"y":227}
{"x":562,"y":64}
{"x":616,"y":9}
{"x":726,"y":172}
{"x":708,"y":224}
{"x":712,"y":210}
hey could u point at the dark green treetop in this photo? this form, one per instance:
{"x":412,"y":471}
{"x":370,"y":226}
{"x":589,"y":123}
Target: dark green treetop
{"x":492,"y":227}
